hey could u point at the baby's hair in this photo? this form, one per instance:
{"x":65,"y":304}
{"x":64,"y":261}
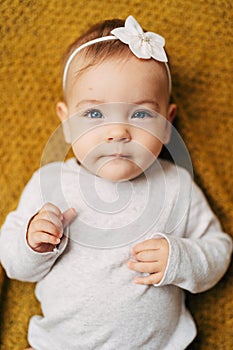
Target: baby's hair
{"x":98,"y":52}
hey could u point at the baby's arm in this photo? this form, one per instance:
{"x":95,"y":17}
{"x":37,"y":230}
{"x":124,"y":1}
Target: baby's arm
{"x":194,"y":262}
{"x":22,"y":240}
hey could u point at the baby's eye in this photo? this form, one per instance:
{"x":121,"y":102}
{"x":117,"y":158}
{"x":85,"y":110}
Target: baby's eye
{"x":93,"y":114}
{"x":142,"y":115}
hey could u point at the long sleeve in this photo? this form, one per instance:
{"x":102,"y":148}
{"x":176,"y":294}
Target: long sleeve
{"x":198,"y":260}
{"x":18,"y":259}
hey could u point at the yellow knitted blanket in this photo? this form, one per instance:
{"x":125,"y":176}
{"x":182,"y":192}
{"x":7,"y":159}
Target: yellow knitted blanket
{"x":33,"y":37}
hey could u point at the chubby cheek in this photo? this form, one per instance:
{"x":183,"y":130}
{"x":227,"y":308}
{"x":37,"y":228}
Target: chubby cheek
{"x":81,"y":148}
{"x":155,"y":147}
{"x":86,"y":145}
{"x":151,"y":144}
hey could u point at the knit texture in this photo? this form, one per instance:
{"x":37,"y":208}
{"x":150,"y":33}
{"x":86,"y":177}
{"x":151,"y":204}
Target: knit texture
{"x":34,"y":35}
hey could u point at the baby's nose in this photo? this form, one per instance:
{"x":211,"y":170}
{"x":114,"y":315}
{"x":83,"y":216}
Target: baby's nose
{"x":119,"y":133}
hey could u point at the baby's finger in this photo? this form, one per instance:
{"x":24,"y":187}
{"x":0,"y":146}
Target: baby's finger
{"x":149,"y":244}
{"x":43,"y":237}
{"x":45,"y":226}
{"x":49,"y":207}
{"x":50,"y":216}
{"x":147,"y":255}
{"x":149,"y":267}
{"x":154,"y":278}
{"x":68,"y":216}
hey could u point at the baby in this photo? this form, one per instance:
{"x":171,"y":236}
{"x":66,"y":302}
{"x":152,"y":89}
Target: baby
{"x":114,"y":235}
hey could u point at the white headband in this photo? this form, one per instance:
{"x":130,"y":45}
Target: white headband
{"x":143,"y":45}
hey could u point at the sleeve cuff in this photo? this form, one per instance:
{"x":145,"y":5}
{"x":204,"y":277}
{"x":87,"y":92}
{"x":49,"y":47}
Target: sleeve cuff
{"x":169,"y":273}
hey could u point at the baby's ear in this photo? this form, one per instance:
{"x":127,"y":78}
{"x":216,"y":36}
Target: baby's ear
{"x":63,"y":115}
{"x":171,"y":113}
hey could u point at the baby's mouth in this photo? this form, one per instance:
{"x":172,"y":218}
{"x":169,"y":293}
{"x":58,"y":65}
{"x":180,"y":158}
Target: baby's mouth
{"x":120,"y":155}
{"x":117,"y":155}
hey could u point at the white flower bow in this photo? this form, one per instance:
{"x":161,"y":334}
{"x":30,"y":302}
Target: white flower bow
{"x":143,"y":45}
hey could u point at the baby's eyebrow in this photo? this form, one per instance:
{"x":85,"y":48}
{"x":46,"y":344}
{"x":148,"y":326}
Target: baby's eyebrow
{"x":154,"y":103}
{"x":89,"y":102}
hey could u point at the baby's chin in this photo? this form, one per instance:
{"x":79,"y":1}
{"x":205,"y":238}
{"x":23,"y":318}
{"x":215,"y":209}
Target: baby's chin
{"x":119,"y":171}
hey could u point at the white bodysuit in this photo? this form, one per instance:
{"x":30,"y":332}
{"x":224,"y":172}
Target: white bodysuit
{"x":87,"y":293}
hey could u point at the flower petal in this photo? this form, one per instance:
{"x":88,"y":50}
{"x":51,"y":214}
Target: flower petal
{"x":158,"y":53}
{"x":155,"y":38}
{"x":133,"y":26}
{"x":122,"y":34}
{"x":139,"y":48}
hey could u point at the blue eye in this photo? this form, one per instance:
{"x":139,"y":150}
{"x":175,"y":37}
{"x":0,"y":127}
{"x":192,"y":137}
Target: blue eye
{"x":141,"y":115}
{"x":93,"y":114}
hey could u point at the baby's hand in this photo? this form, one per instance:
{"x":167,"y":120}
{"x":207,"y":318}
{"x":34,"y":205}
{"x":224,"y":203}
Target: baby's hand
{"x":46,"y":227}
{"x":151,"y":257}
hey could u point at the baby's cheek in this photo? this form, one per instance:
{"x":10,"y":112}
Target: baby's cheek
{"x":81,"y":149}
{"x":148,"y":135}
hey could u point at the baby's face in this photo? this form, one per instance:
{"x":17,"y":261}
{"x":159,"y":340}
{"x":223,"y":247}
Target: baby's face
{"x":119,"y":117}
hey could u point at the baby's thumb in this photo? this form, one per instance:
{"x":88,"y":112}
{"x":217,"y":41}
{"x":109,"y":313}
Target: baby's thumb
{"x":68,"y":216}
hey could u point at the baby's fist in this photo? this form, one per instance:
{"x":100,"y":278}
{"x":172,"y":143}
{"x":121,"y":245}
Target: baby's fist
{"x":46,"y":228}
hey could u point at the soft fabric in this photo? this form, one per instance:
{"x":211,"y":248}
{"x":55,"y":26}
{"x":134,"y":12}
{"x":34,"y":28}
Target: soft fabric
{"x":85,"y":288}
{"x":34,"y":35}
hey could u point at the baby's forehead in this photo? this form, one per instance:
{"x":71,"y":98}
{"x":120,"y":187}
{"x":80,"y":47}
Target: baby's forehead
{"x":128,"y":66}
{"x":118,"y":80}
